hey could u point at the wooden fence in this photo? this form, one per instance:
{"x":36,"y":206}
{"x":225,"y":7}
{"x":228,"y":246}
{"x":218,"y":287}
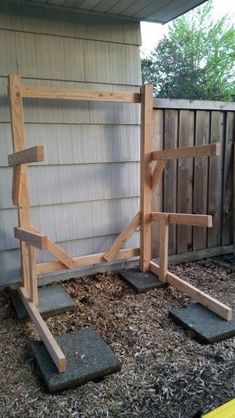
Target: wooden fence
{"x":202,"y":185}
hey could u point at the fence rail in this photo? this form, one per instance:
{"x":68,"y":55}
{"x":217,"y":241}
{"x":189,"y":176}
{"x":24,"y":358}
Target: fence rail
{"x":198,"y":185}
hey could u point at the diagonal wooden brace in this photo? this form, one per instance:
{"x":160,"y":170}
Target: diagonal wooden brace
{"x":33,"y":237}
{"x":122,"y":238}
{"x":157,"y":173}
{"x":60,"y":254}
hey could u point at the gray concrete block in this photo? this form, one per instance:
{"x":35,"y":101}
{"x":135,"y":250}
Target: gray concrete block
{"x":52,"y":300}
{"x":207,"y":326}
{"x":139,"y":281}
{"x":88,"y":358}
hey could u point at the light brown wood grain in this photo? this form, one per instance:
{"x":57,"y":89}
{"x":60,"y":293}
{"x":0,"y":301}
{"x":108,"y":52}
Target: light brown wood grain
{"x":57,"y":93}
{"x":187,"y":152}
{"x":20,"y":188}
{"x":60,"y":254}
{"x":163,"y":247}
{"x":32,"y":238}
{"x":122,"y":238}
{"x":87,"y":260}
{"x":28,"y":155}
{"x":209,"y":302}
{"x":44,"y":332}
{"x":183,"y":219}
{"x":146,"y":176}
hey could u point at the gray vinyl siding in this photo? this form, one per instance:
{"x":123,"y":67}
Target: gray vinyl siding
{"x":87,"y":188}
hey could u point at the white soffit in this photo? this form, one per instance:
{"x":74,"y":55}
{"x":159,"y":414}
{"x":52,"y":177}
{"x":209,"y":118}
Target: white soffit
{"x":161,"y":11}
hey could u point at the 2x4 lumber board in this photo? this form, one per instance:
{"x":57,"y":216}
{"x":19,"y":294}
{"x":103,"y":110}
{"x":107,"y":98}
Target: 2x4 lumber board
{"x":209,"y":302}
{"x":187,"y":152}
{"x":60,"y":254}
{"x":201,"y":297}
{"x":17,"y":183}
{"x":33,"y":275}
{"x":122,"y":238}
{"x":20,"y":188}
{"x":28,"y":155}
{"x":57,"y":93}
{"x":157,"y":173}
{"x":163,"y":248}
{"x":44,"y":332}
{"x":146,"y":176}
{"x":87,"y":260}
{"x":183,"y":219}
{"x":32,"y":238}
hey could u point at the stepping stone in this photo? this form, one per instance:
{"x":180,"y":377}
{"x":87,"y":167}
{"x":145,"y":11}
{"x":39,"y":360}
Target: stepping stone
{"x":141,"y":282}
{"x":52,"y":300}
{"x":88,"y":358}
{"x":207,"y":326}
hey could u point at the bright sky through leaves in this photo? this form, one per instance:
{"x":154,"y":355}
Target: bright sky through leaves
{"x":153,"y":32}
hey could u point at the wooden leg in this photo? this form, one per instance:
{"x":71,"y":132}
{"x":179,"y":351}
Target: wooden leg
{"x":163,"y":248}
{"x":44,"y":332}
{"x":209,"y":302}
{"x":33,"y":275}
{"x":25,"y":265}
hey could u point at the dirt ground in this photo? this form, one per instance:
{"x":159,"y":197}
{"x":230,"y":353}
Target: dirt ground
{"x":165,"y":372}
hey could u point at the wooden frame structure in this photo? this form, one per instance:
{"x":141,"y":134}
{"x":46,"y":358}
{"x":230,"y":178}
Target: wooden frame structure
{"x":31,"y":239}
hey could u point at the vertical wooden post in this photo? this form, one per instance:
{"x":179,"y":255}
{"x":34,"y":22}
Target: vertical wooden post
{"x":33,"y":275}
{"x":20,"y":178}
{"x":163,"y":248}
{"x":146,"y":176}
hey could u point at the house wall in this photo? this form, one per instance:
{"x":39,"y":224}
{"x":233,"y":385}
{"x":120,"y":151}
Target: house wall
{"x":86,"y":190}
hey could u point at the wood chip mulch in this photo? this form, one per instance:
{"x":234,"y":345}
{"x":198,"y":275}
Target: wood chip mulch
{"x":165,"y":372}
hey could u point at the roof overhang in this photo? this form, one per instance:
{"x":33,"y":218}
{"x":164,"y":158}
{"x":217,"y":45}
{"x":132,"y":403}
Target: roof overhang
{"x":160,"y":11}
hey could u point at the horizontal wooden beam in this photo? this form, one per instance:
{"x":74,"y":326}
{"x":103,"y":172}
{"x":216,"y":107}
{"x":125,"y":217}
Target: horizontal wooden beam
{"x":193,"y":104}
{"x":44,"y":332}
{"x":122,"y":238}
{"x":209,"y":302}
{"x":186,"y":152}
{"x":183,"y":219}
{"x":57,"y":93}
{"x":87,"y":260}
{"x":28,"y":155}
{"x":32,"y":238}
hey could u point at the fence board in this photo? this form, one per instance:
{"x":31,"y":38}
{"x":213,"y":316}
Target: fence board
{"x":185,"y":178}
{"x":200,"y":186}
{"x":227,"y":215}
{"x":202,"y":133}
{"x":170,"y":173}
{"x":215,"y":181}
{"x":157,"y":196}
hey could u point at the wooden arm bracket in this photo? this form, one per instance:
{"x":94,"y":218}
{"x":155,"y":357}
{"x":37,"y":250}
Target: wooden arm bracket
{"x":26,"y":156}
{"x":183,"y":219}
{"x":32,"y":238}
{"x":186,"y":152}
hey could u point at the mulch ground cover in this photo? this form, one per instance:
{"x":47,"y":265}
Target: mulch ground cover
{"x":165,"y":372}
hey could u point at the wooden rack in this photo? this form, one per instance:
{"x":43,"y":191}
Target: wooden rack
{"x":31,"y":239}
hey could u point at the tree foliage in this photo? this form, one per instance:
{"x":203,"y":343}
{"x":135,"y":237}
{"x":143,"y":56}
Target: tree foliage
{"x":195,"y":60}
